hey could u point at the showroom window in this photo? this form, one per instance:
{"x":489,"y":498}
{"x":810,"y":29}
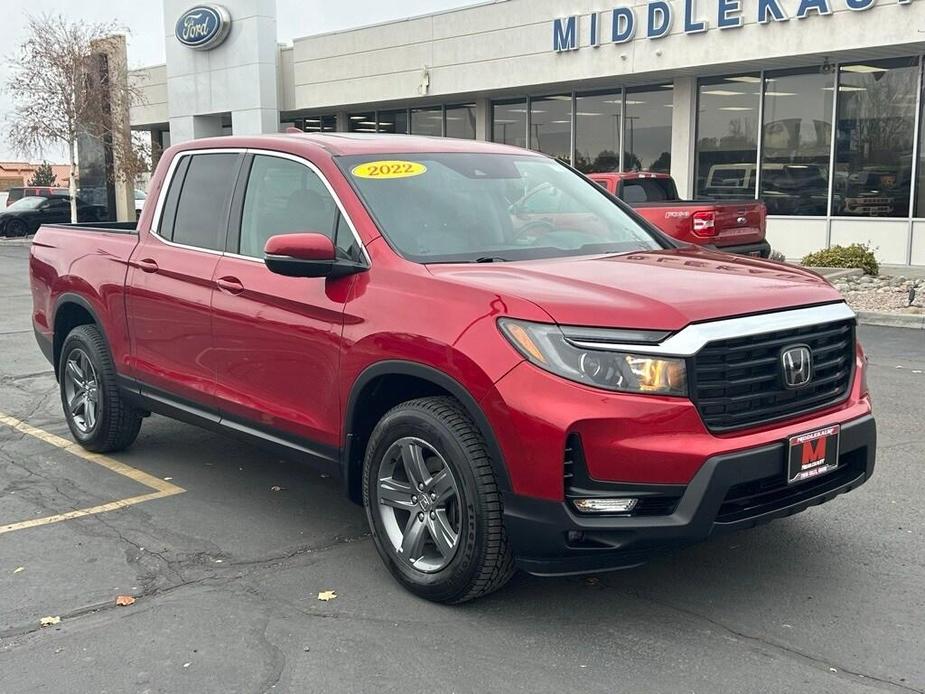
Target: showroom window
{"x":315,"y":123}
{"x":797,"y":141}
{"x":509,"y":122}
{"x":551,"y":126}
{"x":727,"y":137}
{"x":647,"y":139}
{"x":598,"y":125}
{"x":460,"y":121}
{"x":427,"y":121}
{"x":393,"y":122}
{"x":874,"y":138}
{"x":362,"y":122}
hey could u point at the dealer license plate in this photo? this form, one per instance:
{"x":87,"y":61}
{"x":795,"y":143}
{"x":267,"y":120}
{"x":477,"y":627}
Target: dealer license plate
{"x":813,"y":454}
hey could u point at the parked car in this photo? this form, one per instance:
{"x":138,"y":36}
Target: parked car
{"x":878,"y":192}
{"x":19,"y":193}
{"x":795,"y":189}
{"x":140,"y":197}
{"x":25,"y":215}
{"x":564,"y":399}
{"x":731,"y":226}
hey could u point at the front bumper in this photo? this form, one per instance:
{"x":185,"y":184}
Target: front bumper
{"x":731,"y":491}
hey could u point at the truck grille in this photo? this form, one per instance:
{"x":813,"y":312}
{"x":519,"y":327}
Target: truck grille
{"x":737,"y":382}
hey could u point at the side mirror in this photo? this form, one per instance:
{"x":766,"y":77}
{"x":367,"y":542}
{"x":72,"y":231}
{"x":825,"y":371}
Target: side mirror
{"x":308,"y":254}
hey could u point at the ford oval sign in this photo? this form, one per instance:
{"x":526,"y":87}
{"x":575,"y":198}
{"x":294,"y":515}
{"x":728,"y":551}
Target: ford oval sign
{"x":203,"y":27}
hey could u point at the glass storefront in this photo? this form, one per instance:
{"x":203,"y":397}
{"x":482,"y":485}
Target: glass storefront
{"x":315,"y":123}
{"x":598,"y":129}
{"x":551,"y":126}
{"x":588,"y":129}
{"x":460,"y":121}
{"x":361,"y":122}
{"x":648,"y":129}
{"x":393,"y":122}
{"x":871,"y":171}
{"x":427,"y":121}
{"x":727,"y":137}
{"x":874,"y":138}
{"x":796,"y":141}
{"x":509,"y":122}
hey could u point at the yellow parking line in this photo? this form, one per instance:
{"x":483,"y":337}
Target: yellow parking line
{"x":161,"y":487}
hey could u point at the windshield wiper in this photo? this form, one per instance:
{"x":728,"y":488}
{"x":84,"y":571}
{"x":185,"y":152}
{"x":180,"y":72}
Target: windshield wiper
{"x":491,"y":259}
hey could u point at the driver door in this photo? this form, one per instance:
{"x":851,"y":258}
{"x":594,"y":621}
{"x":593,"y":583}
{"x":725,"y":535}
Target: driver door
{"x":277,"y":340}
{"x":56,"y":210}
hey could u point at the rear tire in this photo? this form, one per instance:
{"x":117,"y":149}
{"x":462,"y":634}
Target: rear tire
{"x":98,"y":416}
{"x":433,"y":503}
{"x":16,"y":228}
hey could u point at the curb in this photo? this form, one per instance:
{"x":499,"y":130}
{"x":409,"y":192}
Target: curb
{"x":16,"y":243}
{"x":892,"y":320}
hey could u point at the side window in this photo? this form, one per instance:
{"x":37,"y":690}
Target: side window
{"x":169,"y":211}
{"x":283,"y":197}
{"x":202,"y":209}
{"x":346,"y":242}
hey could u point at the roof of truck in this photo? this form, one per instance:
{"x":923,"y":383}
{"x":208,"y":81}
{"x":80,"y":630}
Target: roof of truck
{"x":347,"y":144}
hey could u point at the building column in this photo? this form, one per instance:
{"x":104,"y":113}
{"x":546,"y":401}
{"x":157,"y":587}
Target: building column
{"x":482,"y":119}
{"x":343,"y":122}
{"x":185,"y":128}
{"x":683,"y":135}
{"x":255,"y":121}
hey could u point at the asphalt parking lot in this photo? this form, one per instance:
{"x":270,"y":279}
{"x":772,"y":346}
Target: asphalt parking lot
{"x":227,"y":559}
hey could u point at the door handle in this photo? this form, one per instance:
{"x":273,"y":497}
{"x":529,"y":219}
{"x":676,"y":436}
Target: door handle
{"x":146,"y":265}
{"x":230,"y":285}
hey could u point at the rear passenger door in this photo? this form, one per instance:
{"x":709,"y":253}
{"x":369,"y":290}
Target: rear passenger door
{"x":278,"y":339}
{"x":170,"y":281}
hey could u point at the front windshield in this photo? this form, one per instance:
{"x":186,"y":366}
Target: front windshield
{"x":442,"y":208}
{"x":29,"y":203}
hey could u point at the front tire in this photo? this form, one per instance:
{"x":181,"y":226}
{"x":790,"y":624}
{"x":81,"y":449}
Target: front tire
{"x":97,"y":415}
{"x":433,"y":503}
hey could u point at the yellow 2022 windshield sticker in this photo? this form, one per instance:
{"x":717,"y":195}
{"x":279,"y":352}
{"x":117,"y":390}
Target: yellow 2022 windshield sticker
{"x":389,"y":169}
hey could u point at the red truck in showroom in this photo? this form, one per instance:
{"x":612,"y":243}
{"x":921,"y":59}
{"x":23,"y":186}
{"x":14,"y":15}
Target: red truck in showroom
{"x":563,"y":395}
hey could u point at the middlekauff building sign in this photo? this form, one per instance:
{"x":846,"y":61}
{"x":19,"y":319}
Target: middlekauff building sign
{"x":622,"y":23}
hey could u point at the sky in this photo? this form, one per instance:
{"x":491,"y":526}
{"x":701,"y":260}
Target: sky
{"x":144,"y":22}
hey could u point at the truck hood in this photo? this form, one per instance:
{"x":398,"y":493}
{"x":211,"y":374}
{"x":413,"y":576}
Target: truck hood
{"x":658,"y":290}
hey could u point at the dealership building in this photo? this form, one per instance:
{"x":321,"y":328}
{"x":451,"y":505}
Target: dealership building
{"x":814,"y":106}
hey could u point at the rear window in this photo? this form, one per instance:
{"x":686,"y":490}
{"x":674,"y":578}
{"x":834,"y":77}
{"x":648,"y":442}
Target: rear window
{"x":647,"y":190}
{"x":201,"y":217}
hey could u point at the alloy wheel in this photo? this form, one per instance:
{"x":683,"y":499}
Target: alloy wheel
{"x":81,"y":391}
{"x":418,"y":502}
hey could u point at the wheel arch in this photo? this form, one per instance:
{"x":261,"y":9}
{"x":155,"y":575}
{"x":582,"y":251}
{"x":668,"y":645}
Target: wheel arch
{"x":386,"y":384}
{"x":71,"y":311}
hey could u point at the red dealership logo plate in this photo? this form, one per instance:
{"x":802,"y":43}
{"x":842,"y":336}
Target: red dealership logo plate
{"x":813,"y":454}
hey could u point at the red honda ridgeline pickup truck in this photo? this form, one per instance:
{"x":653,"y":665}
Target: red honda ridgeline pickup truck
{"x":566,"y":396}
{"x":736,"y":226}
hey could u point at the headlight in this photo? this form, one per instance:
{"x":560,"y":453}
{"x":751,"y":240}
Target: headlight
{"x":550,"y":348}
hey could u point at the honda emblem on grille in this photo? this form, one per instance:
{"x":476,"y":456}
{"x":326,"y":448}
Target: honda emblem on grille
{"x":797,"y":366}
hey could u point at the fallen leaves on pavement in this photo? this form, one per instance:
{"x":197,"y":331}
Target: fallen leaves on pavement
{"x":327,"y":595}
{"x":19,"y":569}
{"x":49,"y":621}
{"x":125,"y":600}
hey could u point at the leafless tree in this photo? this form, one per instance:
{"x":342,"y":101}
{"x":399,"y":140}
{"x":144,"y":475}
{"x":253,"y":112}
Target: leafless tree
{"x":59,"y":88}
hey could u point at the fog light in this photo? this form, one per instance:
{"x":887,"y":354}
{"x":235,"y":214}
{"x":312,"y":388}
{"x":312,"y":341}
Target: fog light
{"x":605,"y":505}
